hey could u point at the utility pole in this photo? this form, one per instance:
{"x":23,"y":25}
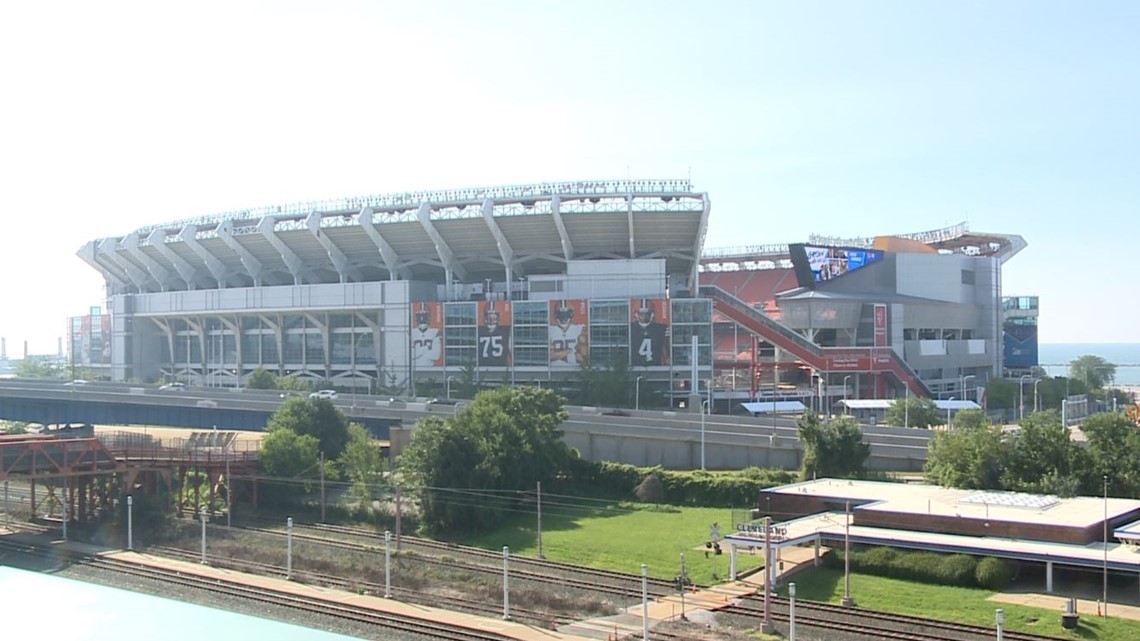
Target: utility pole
{"x":322,"y":487}
{"x":539,"y":503}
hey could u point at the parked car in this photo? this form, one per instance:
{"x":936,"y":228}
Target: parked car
{"x":290,"y":393}
{"x":76,"y":383}
{"x":325,"y":393}
{"x":175,"y":386}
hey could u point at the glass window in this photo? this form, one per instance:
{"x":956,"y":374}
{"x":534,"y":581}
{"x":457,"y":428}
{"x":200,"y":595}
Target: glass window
{"x":341,"y":348}
{"x":529,"y":313}
{"x":294,"y":352}
{"x":530,"y":335}
{"x":314,"y":349}
{"x":269,"y":355}
{"x":459,"y":314}
{"x":692,"y":311}
{"x":531,"y":355}
{"x":340,"y":321}
{"x":609,"y":311}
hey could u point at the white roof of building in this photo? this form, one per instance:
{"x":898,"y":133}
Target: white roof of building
{"x":885,"y":403}
{"x":779,"y":407}
{"x":933,"y":500}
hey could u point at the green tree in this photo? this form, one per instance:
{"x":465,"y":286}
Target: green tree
{"x":921,"y":413}
{"x":1000,"y":394}
{"x":287,"y":454}
{"x":832,"y":448}
{"x":1043,"y":458}
{"x":33,"y":367}
{"x":1094,"y":371}
{"x":969,"y":457}
{"x":970,"y":418}
{"x":474,"y":467}
{"x":605,"y":387}
{"x":316,"y":417}
{"x":363,"y":464}
{"x":293,"y":383}
{"x":1113,"y":449}
{"x":261,"y":378}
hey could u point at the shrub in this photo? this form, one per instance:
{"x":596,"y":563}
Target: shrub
{"x":957,"y":569}
{"x":993,"y":574}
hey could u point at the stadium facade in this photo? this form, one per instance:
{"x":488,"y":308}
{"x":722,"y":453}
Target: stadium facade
{"x":528,"y":285}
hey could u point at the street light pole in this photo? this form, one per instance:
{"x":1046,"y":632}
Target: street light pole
{"x":637,"y":394}
{"x":847,"y":600}
{"x":962,"y":385}
{"x":1021,"y":395}
{"x":704,"y":406}
{"x":845,"y":393}
{"x":1104,"y":568}
{"x":1035,"y":383}
{"x":949,"y":402}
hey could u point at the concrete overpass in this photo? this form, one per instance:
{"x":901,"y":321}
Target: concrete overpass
{"x":670,"y":439}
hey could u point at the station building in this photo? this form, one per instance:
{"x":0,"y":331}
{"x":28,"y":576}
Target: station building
{"x":1100,"y":534}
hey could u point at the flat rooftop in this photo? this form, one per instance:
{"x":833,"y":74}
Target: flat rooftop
{"x":1012,"y":507}
{"x":77,"y":611}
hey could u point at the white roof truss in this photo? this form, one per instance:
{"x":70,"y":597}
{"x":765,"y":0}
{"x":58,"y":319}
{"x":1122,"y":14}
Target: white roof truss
{"x":160,"y":273}
{"x":505,"y":250}
{"x":556,"y":211}
{"x":339,"y":260}
{"x":110,"y":247}
{"x":296,"y":267}
{"x":186,"y":271}
{"x":252,"y":266}
{"x":387,"y":253}
{"x":446,"y":256}
{"x":189,"y":235}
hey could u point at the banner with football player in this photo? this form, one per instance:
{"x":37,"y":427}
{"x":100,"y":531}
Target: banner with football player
{"x":427,"y":335}
{"x":493,"y":348}
{"x":569,"y":333}
{"x":649,"y":332}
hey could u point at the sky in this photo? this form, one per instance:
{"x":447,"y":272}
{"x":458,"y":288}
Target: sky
{"x":797,"y":118}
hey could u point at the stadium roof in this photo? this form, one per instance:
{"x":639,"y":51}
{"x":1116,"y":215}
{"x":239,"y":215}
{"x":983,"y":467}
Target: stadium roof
{"x":468,"y":235}
{"x":955,"y":239}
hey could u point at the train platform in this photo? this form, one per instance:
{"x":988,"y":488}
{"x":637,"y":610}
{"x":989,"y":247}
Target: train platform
{"x":1086,"y":608}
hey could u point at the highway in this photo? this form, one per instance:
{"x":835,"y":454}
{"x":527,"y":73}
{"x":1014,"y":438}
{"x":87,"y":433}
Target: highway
{"x":719,"y":430}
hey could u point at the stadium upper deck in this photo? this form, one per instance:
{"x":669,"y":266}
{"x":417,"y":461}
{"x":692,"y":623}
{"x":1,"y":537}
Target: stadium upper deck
{"x":466,"y":235}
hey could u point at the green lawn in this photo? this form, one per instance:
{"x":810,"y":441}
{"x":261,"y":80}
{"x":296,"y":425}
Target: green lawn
{"x":968,"y":605}
{"x":623,"y":536}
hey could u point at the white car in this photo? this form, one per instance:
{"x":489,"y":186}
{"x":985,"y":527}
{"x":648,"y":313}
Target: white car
{"x":328,"y":394}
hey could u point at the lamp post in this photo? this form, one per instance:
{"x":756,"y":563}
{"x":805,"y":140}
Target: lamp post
{"x":1035,"y":383}
{"x":1021,"y":395}
{"x":637,"y":394}
{"x":1104,"y":567}
{"x":449,"y":379}
{"x":847,"y":600}
{"x":845,"y":393}
{"x":962,"y":385}
{"x":949,"y":402}
{"x":704,"y":407}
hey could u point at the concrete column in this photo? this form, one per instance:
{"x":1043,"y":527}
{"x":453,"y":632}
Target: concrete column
{"x":815,"y":561}
{"x":732,"y":562}
{"x":1049,"y":577}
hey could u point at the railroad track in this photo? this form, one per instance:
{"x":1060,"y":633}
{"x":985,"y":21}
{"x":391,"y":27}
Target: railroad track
{"x":406,"y":595}
{"x":881,"y":625}
{"x":659,"y":584}
{"x":616,"y":584}
{"x":234,"y":589}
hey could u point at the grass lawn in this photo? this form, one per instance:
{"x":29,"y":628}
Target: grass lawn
{"x":623,"y":536}
{"x":967,"y":605}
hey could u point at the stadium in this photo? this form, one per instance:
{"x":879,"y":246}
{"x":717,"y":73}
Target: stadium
{"x":532,"y":284}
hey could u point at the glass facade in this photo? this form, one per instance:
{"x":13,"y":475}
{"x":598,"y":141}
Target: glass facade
{"x":609,"y":333}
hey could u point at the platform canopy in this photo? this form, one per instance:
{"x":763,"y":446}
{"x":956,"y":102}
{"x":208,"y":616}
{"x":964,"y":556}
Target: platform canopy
{"x":779,"y":407}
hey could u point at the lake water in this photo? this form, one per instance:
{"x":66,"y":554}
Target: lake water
{"x":1055,"y":357}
